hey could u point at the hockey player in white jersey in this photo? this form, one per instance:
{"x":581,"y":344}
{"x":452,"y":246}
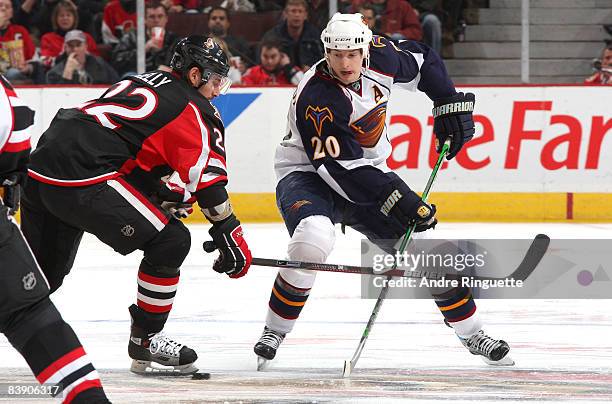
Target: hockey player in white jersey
{"x":331,"y":168}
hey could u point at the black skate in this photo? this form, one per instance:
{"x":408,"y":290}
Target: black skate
{"x":170,"y":357}
{"x":492,"y":351}
{"x":267,"y":346}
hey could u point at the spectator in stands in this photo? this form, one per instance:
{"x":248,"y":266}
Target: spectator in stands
{"x":300,"y":39}
{"x":428,"y":11}
{"x":372,"y":19}
{"x":275,"y":67}
{"x":178,"y":6}
{"x":219,"y":25}
{"x":603,"y":75}
{"x":319,"y":12}
{"x":17,"y":49}
{"x":158,"y":47}
{"x":236,"y":65}
{"x":119,"y":19}
{"x":77,"y":66}
{"x":37,"y":14}
{"x":397,"y":18}
{"x":64,"y":18}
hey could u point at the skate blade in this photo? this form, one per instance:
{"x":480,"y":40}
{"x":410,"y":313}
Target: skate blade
{"x":505,"y":361}
{"x":148,"y":368}
{"x":262,"y":363}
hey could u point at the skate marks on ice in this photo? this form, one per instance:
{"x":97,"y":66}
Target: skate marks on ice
{"x":292,"y":385}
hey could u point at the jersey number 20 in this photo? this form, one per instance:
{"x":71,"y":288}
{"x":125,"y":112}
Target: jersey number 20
{"x":331,"y":146}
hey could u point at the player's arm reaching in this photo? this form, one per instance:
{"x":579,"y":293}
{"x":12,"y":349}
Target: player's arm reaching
{"x":200,"y":164}
{"x":415,"y":66}
{"x":15,"y":119}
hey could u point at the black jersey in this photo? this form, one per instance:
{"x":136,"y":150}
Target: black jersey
{"x":153,"y":122}
{"x":15,"y":121}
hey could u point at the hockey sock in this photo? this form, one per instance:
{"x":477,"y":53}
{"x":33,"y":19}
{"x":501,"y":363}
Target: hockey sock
{"x":459,"y":309}
{"x":56,"y":356}
{"x":156,"y":287}
{"x":286,"y":301}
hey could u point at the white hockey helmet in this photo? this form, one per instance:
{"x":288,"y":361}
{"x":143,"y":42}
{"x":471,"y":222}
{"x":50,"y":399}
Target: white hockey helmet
{"x":346,"y":32}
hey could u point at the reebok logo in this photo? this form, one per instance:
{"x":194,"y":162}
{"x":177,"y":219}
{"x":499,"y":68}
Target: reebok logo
{"x":390,"y":202}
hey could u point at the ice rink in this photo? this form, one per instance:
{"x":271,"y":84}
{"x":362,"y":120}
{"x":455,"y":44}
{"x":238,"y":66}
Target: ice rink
{"x":562,"y":348}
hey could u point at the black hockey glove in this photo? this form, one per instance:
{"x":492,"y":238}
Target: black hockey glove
{"x":407,"y":207}
{"x":234,"y":254}
{"x":12,"y":191}
{"x":453,"y":120}
{"x":171,"y":199}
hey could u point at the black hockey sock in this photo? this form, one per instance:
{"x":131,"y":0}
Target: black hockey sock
{"x":156,"y":290}
{"x":287,"y":300}
{"x":56,"y":356}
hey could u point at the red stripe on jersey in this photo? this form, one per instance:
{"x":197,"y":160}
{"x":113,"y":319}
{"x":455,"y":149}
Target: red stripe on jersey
{"x":153,"y":208}
{"x":158,"y":281}
{"x":72,"y":183}
{"x":152,"y":308}
{"x":17,"y":147}
{"x":215,"y":155}
{"x":81,"y":387}
{"x":10,"y":92}
{"x":60,"y":363}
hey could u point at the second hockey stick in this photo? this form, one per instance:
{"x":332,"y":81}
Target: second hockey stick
{"x":349,"y":365}
{"x":532,"y":258}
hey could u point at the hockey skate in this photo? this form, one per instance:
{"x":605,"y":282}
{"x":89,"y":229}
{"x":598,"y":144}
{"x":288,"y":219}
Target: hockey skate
{"x":492,"y":351}
{"x":267,"y":346}
{"x":160,"y":355}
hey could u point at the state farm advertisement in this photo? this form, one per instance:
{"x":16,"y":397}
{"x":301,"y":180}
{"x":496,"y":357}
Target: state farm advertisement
{"x":528,"y":139}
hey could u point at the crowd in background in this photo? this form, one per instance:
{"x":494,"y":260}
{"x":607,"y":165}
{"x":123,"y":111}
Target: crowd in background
{"x":95,"y":42}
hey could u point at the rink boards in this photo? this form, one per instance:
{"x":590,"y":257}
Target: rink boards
{"x":541,"y":153}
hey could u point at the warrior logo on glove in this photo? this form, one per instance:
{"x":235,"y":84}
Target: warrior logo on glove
{"x":453,"y":120}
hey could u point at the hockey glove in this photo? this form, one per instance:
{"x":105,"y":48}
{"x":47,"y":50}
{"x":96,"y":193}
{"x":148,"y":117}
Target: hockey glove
{"x":173,"y":200}
{"x":12,"y":191}
{"x":234,"y":254}
{"x":453,"y":120}
{"x":407,"y":207}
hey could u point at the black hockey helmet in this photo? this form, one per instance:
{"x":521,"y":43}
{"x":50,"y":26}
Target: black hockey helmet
{"x":202,"y":52}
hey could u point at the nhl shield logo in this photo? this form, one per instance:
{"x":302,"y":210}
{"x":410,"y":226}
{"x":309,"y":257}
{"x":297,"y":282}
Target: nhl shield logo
{"x":127,"y":230}
{"x":29,"y":281}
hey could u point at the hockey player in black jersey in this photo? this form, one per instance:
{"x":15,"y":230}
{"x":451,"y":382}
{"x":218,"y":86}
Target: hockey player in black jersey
{"x":28,"y":318}
{"x":331,"y":168}
{"x":98,"y":169}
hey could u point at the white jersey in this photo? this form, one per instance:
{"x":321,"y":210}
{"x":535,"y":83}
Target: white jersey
{"x":340,"y":130}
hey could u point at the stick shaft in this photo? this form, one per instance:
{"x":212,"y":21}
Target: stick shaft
{"x":385,"y":290}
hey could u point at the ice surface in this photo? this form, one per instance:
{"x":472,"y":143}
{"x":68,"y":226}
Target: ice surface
{"x":562,"y":348}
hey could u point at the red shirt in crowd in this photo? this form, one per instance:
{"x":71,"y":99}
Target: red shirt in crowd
{"x":256,"y":76}
{"x":52,"y":45}
{"x":599,"y":78}
{"x":13,"y":32}
{"x":399,"y":17}
{"x":116,"y":22}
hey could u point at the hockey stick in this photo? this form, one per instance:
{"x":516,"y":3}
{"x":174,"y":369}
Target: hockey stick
{"x":349,"y":365}
{"x":532,"y":258}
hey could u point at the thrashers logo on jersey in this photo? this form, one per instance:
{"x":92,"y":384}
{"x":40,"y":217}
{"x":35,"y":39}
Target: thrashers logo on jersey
{"x":370,"y":127}
{"x":318,"y":115}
